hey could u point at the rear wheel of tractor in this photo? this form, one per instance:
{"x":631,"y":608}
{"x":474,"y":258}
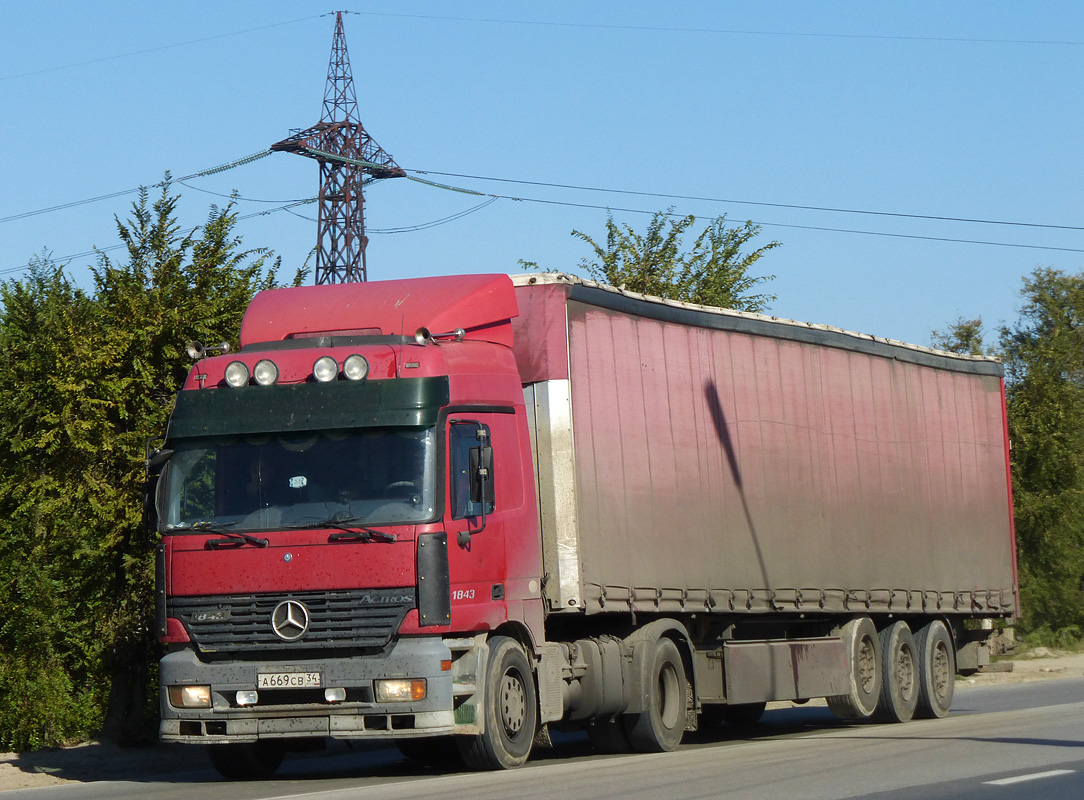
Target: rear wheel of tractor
{"x":511,"y":710}
{"x":899,"y":682}
{"x":863,"y":648}
{"x":936,"y":670}
{"x":245,"y":762}
{"x":660,"y":726}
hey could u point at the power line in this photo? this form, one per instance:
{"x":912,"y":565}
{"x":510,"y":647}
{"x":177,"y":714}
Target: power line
{"x":808,"y":227}
{"x":494,"y":197}
{"x":726,"y":31}
{"x":201,"y":174}
{"x":235,"y":196}
{"x":111,"y":248}
{"x":153,"y":49}
{"x":830,"y":209}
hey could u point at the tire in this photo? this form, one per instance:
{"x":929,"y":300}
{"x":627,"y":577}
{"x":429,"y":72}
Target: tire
{"x":245,"y":762}
{"x":936,"y":670}
{"x":863,"y":648}
{"x":511,"y":710}
{"x":433,"y":751}
{"x":899,"y":674}
{"x":661,"y":725}
{"x":608,"y":736}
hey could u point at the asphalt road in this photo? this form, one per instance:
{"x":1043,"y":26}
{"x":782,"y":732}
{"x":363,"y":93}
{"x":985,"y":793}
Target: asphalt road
{"x":1012,"y":741}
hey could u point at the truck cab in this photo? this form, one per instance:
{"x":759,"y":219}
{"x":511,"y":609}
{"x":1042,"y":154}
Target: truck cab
{"x":344,"y":506}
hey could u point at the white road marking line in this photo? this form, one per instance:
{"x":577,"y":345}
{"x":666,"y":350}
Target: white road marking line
{"x":1032,"y":777}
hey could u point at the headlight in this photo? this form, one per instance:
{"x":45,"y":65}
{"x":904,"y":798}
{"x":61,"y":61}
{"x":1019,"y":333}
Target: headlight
{"x":355,"y":367}
{"x":325,"y":369}
{"x":399,"y":691}
{"x":237,"y":374}
{"x":190,"y":696}
{"x":265,"y":372}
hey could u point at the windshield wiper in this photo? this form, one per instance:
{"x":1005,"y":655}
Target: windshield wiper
{"x":350,"y":530}
{"x":236,"y":539}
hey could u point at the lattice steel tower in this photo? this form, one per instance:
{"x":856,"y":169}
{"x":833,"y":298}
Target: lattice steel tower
{"x":340,"y":235}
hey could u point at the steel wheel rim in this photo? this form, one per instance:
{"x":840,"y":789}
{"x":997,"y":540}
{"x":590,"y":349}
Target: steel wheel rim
{"x":941,"y":674}
{"x":867,"y":665}
{"x":905,"y":671}
{"x":666,"y":701}
{"x":513,"y":704}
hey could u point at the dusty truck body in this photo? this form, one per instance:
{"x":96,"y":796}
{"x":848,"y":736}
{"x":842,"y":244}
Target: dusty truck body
{"x":473,"y":509}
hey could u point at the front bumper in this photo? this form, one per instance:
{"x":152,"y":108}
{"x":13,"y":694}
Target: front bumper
{"x":292,"y":714}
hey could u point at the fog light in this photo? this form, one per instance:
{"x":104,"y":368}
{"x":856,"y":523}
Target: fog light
{"x":355,"y":367}
{"x":190,"y":696}
{"x":265,"y":372}
{"x":325,"y":369}
{"x":248,"y":697}
{"x":237,"y":374}
{"x":400,"y":691}
{"x":336,"y":695}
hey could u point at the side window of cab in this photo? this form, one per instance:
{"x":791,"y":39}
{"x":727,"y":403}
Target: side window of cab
{"x":471,"y":469}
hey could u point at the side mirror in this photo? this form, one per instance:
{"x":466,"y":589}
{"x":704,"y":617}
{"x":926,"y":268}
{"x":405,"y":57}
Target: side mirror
{"x":481,"y":476}
{"x":153,"y":463}
{"x":480,"y":473}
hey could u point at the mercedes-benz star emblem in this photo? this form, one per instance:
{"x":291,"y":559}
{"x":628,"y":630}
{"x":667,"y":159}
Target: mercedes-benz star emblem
{"x":290,"y":620}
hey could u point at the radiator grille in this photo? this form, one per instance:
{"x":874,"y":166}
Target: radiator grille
{"x":346,"y":618}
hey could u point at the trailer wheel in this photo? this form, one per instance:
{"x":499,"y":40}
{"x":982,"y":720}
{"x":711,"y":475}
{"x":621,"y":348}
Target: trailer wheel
{"x":936,"y":670}
{"x":511,"y":710}
{"x":864,"y":659}
{"x":660,"y":726}
{"x":245,"y":762}
{"x":900,"y":674}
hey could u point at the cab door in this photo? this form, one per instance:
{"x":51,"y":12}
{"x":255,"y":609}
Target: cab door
{"x":475,"y":520}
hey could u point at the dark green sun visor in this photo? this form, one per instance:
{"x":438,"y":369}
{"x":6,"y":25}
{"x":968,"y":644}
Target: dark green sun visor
{"x":308,"y":407}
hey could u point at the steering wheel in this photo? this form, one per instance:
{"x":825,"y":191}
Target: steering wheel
{"x":399,"y":489}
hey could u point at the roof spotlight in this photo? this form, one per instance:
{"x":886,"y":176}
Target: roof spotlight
{"x":355,"y":368}
{"x":266,"y":372}
{"x":325,"y":369}
{"x":237,"y":374}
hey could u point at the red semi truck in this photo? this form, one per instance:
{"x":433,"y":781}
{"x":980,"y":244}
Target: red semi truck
{"x":476,"y":509}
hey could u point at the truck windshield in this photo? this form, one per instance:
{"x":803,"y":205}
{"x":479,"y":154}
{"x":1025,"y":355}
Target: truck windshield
{"x":297,"y":480}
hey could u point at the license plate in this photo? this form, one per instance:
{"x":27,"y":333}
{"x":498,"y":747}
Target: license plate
{"x":287,"y":680}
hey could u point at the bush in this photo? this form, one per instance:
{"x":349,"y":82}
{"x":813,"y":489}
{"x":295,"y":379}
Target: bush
{"x":88,"y":376}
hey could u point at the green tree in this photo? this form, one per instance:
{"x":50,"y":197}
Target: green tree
{"x":89,"y":376}
{"x":714,"y":271}
{"x":1044,"y":370}
{"x":964,"y":336}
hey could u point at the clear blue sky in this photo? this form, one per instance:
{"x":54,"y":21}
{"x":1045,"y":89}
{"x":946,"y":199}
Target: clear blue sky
{"x":962,"y":110}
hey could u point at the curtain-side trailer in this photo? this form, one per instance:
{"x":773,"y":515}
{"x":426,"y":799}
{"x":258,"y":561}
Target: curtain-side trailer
{"x":473,"y":509}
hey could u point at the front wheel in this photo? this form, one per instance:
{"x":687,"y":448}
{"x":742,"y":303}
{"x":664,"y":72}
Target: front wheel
{"x":245,"y":762}
{"x":511,"y":710}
